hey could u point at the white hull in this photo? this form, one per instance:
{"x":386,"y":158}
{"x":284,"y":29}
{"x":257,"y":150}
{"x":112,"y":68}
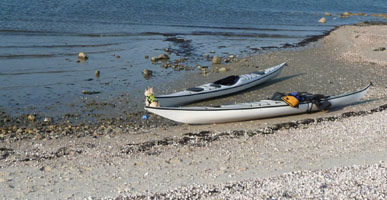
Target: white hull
{"x":247,"y":111}
{"x":209,"y":91}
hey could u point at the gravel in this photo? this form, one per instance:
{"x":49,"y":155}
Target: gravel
{"x":354,"y":182}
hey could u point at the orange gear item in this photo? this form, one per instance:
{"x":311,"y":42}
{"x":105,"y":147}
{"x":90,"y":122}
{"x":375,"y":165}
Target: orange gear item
{"x":291,"y":101}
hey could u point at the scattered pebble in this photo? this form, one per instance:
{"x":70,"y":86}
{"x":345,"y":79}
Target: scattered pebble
{"x":31,"y":117}
{"x":148,"y":72}
{"x":82,"y":56}
{"x":97,"y":73}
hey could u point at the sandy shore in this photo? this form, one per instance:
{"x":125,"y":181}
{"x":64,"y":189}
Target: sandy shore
{"x":334,"y":157}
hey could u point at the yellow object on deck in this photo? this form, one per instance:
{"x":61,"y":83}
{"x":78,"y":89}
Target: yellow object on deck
{"x":291,"y":101}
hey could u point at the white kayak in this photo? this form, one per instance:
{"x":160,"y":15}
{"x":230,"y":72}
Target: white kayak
{"x":228,"y":85}
{"x":248,"y":111}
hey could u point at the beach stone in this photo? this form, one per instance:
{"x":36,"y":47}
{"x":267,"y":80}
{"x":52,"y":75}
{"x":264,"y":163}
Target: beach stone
{"x":346,"y":13}
{"x":327,"y":14}
{"x":82,"y":55}
{"x":90,"y":92}
{"x":31,"y":117}
{"x":164,"y":56}
{"x":148,"y":72}
{"x":322,"y":20}
{"x":46,"y":169}
{"x":222,"y":69}
{"x":48,"y":120}
{"x":97,"y":73}
{"x":216,"y":60}
{"x":160,"y":57}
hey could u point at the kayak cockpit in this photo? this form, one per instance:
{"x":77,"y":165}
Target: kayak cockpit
{"x":229,"y":80}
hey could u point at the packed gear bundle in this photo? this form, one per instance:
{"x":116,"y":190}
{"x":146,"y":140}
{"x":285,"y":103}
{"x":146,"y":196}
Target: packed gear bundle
{"x":294,"y":98}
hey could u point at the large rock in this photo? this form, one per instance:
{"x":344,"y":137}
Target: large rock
{"x":216,"y":60}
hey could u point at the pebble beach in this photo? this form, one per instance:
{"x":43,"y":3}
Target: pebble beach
{"x":339,"y":154}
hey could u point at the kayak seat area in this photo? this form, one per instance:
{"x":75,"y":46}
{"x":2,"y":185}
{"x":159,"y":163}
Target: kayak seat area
{"x":195,"y":89}
{"x":229,"y":80}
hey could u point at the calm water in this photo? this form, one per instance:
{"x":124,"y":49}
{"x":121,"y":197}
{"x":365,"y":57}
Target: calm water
{"x":40,"y":40}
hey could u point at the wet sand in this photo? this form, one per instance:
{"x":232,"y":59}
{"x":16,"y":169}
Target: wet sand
{"x":124,"y":159}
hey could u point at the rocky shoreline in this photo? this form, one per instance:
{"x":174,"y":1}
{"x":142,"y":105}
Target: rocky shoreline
{"x":35,"y":126}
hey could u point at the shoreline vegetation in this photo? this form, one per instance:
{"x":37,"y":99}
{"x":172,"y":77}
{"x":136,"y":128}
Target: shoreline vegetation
{"x":133,"y":158}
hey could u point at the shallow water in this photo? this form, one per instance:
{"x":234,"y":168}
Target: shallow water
{"x":40,"y":40}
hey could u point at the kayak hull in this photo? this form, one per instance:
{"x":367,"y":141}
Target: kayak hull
{"x":248,"y":111}
{"x":211,"y":90}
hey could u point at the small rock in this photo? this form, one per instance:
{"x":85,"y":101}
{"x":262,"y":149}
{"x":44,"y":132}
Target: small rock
{"x":90,"y":92}
{"x":322,"y":20}
{"x":83,"y":56}
{"x":146,"y":57}
{"x":164,"y":56}
{"x":46,"y":169}
{"x":148,"y":72}
{"x":160,"y":57}
{"x":31,"y":117}
{"x":48,"y":120}
{"x":216,"y":60}
{"x":346,"y":13}
{"x":327,"y":14}
{"x":97,"y":73}
{"x":222,"y":69}
{"x":118,"y":56}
